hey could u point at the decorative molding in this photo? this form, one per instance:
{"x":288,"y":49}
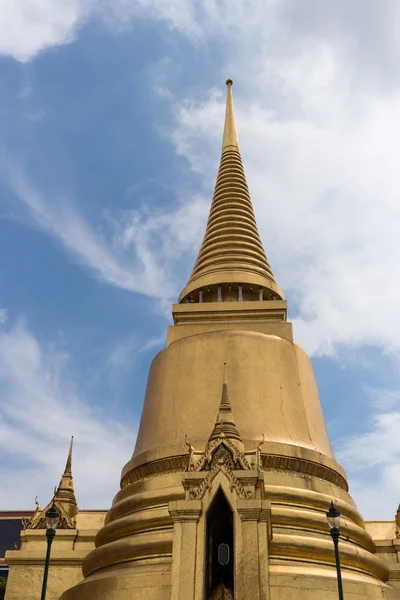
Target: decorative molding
{"x":172,"y":464}
{"x":181,"y":511}
{"x":214,"y":312}
{"x":179,"y":463}
{"x":254,"y":510}
{"x":303,"y":466}
{"x":249,"y":513}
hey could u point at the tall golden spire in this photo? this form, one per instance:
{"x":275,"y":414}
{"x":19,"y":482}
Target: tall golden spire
{"x":232,"y":254}
{"x":225,"y":425}
{"x":65,"y":492}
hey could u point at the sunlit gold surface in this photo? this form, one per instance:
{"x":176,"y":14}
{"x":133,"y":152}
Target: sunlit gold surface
{"x":275,"y":465}
{"x":272,"y":391}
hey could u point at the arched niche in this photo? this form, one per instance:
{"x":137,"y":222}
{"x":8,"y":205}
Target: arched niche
{"x":219,"y":534}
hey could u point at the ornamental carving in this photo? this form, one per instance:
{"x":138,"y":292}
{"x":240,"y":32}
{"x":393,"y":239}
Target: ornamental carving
{"x":221,"y":593}
{"x":38,"y":519}
{"x":221,"y":455}
{"x":180,"y":463}
{"x":224,"y":453}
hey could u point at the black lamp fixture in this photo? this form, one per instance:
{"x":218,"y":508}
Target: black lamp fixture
{"x":52,"y":518}
{"x":333,"y":517}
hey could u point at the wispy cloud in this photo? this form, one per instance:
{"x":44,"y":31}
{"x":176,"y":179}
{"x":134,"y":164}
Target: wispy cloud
{"x":64,"y":222}
{"x":38,"y":115}
{"x":121,"y":355}
{"x":39,"y":410}
{"x":138,"y":252}
{"x":3,"y":315}
{"x":372,"y":458}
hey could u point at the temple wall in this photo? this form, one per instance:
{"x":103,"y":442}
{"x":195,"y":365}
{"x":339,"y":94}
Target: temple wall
{"x":69,"y":548}
{"x":152,"y":521}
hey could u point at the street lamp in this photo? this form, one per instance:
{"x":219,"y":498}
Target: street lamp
{"x":333,"y":516}
{"x":52,"y":517}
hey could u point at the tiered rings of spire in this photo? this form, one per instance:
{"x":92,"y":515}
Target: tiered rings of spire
{"x":232,"y":264}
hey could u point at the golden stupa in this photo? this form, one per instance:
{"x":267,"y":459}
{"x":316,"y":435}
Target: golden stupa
{"x":232,"y":457}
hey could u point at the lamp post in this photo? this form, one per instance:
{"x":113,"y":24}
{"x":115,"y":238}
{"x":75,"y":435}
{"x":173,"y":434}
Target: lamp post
{"x":52,"y":517}
{"x":333,"y":516}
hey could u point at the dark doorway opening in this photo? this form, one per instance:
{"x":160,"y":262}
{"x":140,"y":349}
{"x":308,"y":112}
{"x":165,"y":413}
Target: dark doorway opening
{"x":219,"y":534}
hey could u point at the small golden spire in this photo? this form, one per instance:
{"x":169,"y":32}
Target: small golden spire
{"x":63,"y":498}
{"x":232,"y":252}
{"x":225,"y":425}
{"x":225,"y":405}
{"x":68,"y":466}
{"x":65,"y":492}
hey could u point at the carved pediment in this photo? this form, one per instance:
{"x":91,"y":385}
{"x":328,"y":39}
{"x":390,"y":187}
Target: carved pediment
{"x":221,"y":455}
{"x":38,"y":519}
{"x":222,"y":452}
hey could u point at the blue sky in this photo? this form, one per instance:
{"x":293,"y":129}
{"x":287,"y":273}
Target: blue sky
{"x":111,"y":119}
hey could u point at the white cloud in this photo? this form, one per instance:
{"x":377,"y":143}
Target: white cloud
{"x":27,"y":27}
{"x":372,"y":458}
{"x":39,"y":411}
{"x":3,"y":316}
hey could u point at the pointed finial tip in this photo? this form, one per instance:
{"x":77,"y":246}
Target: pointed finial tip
{"x":229,"y":81}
